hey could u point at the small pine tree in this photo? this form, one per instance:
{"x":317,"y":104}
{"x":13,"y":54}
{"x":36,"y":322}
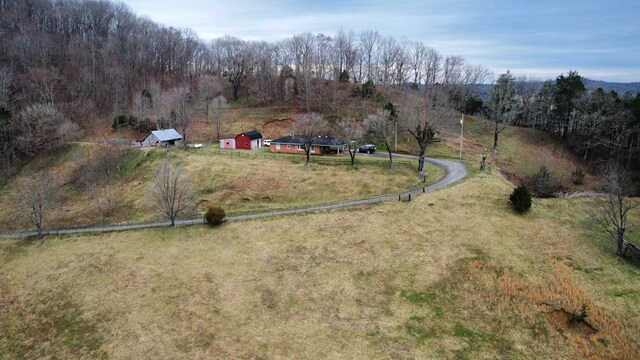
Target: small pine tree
{"x":577,"y":177}
{"x":344,"y":76}
{"x":545,"y":186}
{"x":520,"y":199}
{"x":368,"y":90}
{"x":215,"y":215}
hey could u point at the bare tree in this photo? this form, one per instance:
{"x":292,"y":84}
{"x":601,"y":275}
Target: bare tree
{"x":142,"y":105}
{"x":403,"y":62}
{"x":323,"y":47}
{"x":418,"y":54}
{"x":615,"y":206}
{"x":452,"y":70}
{"x":208,"y":88}
{"x":265,"y":73}
{"x":6,"y":77}
{"x":503,"y":105}
{"x":306,"y":129}
{"x":389,"y":56}
{"x":170,"y":193}
{"x":345,"y":53}
{"x":236,"y":59}
{"x":98,"y":168}
{"x":382,"y":126}
{"x":43,"y":127}
{"x":165,"y":105}
{"x":217,"y":109}
{"x":8,"y":142}
{"x":423,"y":118}
{"x":352,"y":131}
{"x":526,"y":90}
{"x":594,"y":111}
{"x":183,"y":114}
{"x":302,"y":48}
{"x":433,"y":66}
{"x":369,"y":41}
{"x":543,"y":106}
{"x":89,"y":178}
{"x":37,"y":198}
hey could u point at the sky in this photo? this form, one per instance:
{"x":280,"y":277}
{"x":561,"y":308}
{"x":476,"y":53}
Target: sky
{"x":540,"y":39}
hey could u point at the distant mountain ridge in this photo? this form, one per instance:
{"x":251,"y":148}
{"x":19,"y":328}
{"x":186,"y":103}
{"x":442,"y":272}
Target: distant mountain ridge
{"x":620,"y":88}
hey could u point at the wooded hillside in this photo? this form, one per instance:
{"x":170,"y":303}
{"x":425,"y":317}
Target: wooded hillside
{"x":68,"y":66}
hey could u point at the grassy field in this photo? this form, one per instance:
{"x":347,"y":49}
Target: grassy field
{"x":521,"y":152}
{"x":453,"y":274}
{"x":240,"y":181}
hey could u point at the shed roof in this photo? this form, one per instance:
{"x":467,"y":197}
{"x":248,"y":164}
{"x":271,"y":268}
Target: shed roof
{"x":167,"y":134}
{"x":253,"y":135}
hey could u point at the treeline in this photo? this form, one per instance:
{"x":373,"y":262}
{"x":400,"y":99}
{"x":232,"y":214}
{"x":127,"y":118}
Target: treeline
{"x":599,"y":126}
{"x":65,"y":63}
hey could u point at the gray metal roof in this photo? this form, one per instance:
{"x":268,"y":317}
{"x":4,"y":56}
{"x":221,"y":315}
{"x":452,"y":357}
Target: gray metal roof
{"x":167,"y":134}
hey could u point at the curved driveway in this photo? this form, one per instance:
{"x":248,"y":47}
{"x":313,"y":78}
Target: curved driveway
{"x":454,"y":172}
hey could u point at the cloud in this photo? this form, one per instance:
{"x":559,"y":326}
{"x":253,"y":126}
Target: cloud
{"x":500,"y":34}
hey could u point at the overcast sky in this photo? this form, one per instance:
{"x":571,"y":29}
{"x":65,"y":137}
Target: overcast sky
{"x":542,"y":39}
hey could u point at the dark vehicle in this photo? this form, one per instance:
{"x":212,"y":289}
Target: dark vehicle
{"x":368,"y":148}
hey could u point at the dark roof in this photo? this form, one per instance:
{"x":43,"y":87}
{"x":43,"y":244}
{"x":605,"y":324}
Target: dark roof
{"x":319,"y":141}
{"x":252,"y":134}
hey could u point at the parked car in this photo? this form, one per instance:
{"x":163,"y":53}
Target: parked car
{"x":368,"y":148}
{"x":266,"y":142}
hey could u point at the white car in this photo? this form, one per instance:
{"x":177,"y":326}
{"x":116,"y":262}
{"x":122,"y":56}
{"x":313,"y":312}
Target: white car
{"x":197,"y":146}
{"x":266,"y":142}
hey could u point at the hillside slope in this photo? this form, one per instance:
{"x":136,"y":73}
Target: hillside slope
{"x":452,"y":274}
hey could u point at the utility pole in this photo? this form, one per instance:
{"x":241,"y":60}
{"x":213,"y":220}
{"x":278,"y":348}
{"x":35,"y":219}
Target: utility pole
{"x":461,"y":134}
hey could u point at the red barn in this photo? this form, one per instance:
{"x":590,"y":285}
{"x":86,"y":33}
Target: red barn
{"x":249,"y":140}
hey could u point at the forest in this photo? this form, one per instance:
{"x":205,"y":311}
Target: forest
{"x":67,"y":66}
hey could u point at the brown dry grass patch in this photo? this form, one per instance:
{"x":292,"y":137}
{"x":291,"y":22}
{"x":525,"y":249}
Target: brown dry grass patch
{"x":452,"y":274}
{"x":241,"y":183}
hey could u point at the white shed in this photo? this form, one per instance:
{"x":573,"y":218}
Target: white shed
{"x":162,"y":138}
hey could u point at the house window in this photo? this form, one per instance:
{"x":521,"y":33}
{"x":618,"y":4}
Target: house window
{"x":313,"y":149}
{"x":288,"y":146}
{"x":277,"y":146}
{"x":300,"y":148}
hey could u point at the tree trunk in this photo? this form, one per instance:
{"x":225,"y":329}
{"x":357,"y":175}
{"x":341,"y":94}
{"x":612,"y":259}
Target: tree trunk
{"x":586,"y":152}
{"x":352,"y":154}
{"x":386,"y":144}
{"x":620,"y":252}
{"x":184,"y":138}
{"x":495,"y":140}
{"x":421,"y":159}
{"x":235,"y":92}
{"x":629,"y":153}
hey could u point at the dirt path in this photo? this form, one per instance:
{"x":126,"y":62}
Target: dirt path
{"x":454,"y":172}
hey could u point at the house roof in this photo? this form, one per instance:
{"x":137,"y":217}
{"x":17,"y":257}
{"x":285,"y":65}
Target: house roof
{"x":253,"y":135}
{"x":318,"y":141}
{"x":167,"y":134}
